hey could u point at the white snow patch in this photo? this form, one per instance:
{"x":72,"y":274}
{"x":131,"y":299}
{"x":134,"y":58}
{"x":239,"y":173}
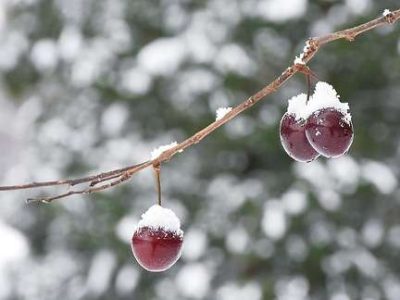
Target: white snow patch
{"x":113,"y":119}
{"x":158,"y":217}
{"x":123,"y":230}
{"x":193,"y":281}
{"x":295,"y":202}
{"x":136,"y":81}
{"x":70,"y":43}
{"x":162,"y":56}
{"x":221,"y":112}
{"x":358,"y":7}
{"x":281,"y":11}
{"x":195,"y":244}
{"x":325,"y":96}
{"x":329,"y":199}
{"x":373,"y":232}
{"x":17,"y":246}
{"x":381,"y":176}
{"x":126,"y":280}
{"x":386,"y":12}
{"x":100,"y":272}
{"x":299,"y":60}
{"x":44,"y":55}
{"x":232,"y":291}
{"x":340,"y":296}
{"x":233,"y":58}
{"x":298,"y":106}
{"x":274,"y":222}
{"x":291,"y":288}
{"x":393,"y":236}
{"x":157,"y":151}
{"x":237,"y":240}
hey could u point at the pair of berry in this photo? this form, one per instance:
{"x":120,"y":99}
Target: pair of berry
{"x":320,"y":126}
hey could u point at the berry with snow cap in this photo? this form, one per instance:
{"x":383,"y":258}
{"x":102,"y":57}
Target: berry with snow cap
{"x":292,"y":131}
{"x":329,"y":133}
{"x":329,"y":129}
{"x":157,"y":240}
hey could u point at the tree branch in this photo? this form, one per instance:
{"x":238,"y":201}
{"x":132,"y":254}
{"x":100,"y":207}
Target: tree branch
{"x":118,"y":176}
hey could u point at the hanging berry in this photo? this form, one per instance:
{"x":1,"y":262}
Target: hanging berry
{"x":157,"y":240}
{"x":329,"y":128}
{"x":293,"y":131}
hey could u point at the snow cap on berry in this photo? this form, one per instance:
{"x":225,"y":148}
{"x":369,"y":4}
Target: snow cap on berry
{"x":298,"y":106}
{"x":158,"y":217}
{"x":159,"y":150}
{"x":325,"y":96}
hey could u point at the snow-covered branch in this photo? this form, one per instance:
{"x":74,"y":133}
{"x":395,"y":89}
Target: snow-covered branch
{"x":160,"y":155}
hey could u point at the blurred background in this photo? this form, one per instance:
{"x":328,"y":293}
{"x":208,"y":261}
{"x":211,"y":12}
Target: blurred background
{"x":88,"y":86}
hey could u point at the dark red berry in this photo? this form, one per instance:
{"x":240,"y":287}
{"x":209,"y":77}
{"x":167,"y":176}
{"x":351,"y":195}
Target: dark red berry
{"x":330,"y":132}
{"x":156,"y":250}
{"x":294,"y":141}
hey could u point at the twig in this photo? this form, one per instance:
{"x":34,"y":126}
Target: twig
{"x":124,"y":177}
{"x":94,"y":179}
{"x":124,"y":174}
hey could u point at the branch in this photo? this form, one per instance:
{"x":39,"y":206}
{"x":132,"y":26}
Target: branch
{"x":118,"y":176}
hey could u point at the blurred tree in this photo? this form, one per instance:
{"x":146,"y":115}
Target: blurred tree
{"x":94,"y":85}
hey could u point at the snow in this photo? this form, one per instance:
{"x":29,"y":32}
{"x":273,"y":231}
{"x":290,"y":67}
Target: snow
{"x":386,"y":12}
{"x":233,"y":58}
{"x":292,"y":288}
{"x":373,"y":232}
{"x":281,"y":11}
{"x":136,"y":81}
{"x":193,"y":281}
{"x":237,"y":240}
{"x":17,"y":244}
{"x":221,"y":112}
{"x":70,"y":43}
{"x":126,"y":280}
{"x":157,"y":151}
{"x":114,"y":118}
{"x":162,"y":56}
{"x":195,"y":244}
{"x":358,"y":7}
{"x":381,"y":176}
{"x":44,"y":55}
{"x":123,"y":230}
{"x":274,"y":222}
{"x":100,"y":272}
{"x":158,"y":217}
{"x":298,"y":106}
{"x":325,"y":96}
{"x":233,"y":291}
{"x":294,"y":201}
{"x":299,"y":60}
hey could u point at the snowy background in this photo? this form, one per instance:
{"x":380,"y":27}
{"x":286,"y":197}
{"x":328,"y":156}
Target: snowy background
{"x":87,"y":86}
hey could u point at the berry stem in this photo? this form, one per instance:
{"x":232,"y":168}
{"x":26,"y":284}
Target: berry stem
{"x":308,"y":76}
{"x":157,"y":171}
